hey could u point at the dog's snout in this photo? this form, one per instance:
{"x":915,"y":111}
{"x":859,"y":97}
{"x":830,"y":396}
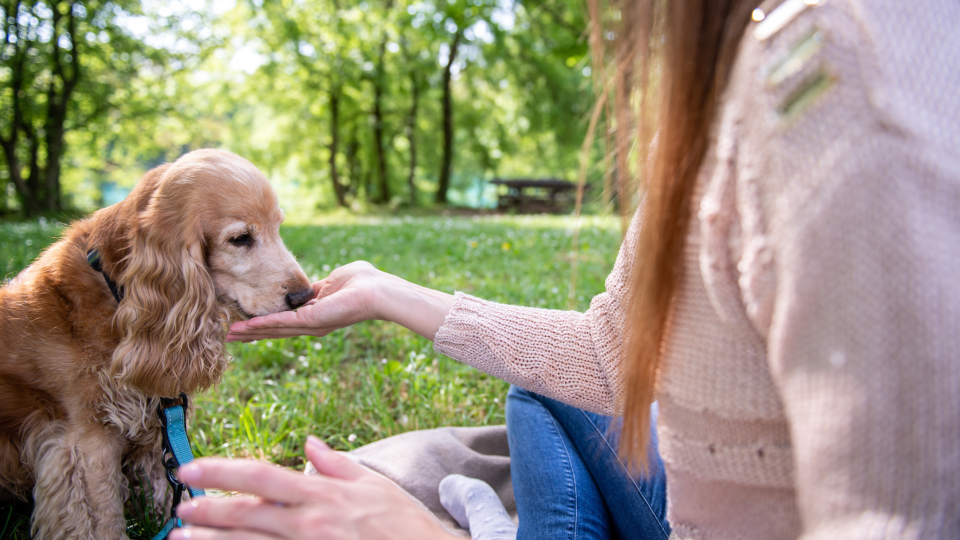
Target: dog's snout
{"x":299,"y":298}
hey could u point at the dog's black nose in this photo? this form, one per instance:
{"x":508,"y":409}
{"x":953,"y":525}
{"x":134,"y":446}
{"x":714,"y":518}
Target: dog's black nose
{"x":299,"y":298}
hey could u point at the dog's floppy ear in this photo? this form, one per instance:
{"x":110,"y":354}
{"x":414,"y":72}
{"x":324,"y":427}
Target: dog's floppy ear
{"x":172,"y":339}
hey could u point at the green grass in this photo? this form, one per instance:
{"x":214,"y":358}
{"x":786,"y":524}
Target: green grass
{"x":377,"y":379}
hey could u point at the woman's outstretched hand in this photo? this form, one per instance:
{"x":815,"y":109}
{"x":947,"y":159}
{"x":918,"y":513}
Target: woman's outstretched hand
{"x":343,"y":501}
{"x":350,"y":294}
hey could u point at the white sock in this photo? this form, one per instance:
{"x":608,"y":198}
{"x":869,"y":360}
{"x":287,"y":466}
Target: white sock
{"x":476,"y":507}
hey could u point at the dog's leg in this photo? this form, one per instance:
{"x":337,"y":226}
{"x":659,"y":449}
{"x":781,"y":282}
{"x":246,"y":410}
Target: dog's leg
{"x":79,"y":489}
{"x":144,"y":470}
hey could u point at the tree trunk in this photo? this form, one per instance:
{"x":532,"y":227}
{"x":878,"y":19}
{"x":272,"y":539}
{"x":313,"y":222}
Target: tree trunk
{"x":33,"y":181}
{"x":18,"y":124}
{"x":28,"y":198}
{"x":58,"y":101}
{"x":384,"y":188}
{"x":367,"y":184}
{"x":447,"y":159}
{"x":41,"y":189}
{"x":51,"y":172}
{"x":353,"y":161}
{"x":378,"y":83}
{"x":338,"y":190}
{"x":27,"y":187}
{"x":412,"y":135}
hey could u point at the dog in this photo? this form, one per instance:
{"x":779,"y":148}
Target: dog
{"x":86,"y":355}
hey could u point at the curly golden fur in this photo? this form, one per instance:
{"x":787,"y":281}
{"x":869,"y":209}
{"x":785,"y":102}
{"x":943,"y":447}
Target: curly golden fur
{"x":194,"y":246}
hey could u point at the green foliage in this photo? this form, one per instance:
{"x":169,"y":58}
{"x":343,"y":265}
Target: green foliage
{"x":259,"y":79}
{"x":144,"y":521}
{"x":66,"y":66}
{"x":377,"y":379}
{"x":518,"y":84}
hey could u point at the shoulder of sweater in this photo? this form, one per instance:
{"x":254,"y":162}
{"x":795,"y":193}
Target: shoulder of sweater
{"x":813,"y":73}
{"x":813,"y":85}
{"x":814,"y":81}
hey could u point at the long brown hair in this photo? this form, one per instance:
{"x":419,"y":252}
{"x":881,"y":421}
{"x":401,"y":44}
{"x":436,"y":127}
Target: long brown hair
{"x":700,"y":39}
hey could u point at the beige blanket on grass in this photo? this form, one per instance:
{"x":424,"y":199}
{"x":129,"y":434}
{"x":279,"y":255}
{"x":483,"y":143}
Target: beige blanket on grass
{"x":418,"y":460}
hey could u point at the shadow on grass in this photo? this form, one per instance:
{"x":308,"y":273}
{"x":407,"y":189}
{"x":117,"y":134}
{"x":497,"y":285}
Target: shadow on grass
{"x":15,"y":520}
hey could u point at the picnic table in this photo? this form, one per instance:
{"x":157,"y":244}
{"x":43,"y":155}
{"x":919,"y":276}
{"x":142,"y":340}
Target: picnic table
{"x":536,"y":194}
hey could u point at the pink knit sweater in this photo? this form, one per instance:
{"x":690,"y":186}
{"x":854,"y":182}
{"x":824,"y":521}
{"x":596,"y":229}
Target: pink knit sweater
{"x":811,"y":382}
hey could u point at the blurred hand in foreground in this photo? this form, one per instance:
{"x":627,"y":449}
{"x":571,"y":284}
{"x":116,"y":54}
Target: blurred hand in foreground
{"x":350,"y":294}
{"x":345,"y":500}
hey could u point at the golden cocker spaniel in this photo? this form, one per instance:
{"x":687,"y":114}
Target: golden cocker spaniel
{"x":195,"y":246}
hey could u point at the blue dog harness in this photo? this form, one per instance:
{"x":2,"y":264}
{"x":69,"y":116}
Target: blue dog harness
{"x":173,"y":417}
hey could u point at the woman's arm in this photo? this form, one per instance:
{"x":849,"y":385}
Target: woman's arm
{"x":569,"y":356}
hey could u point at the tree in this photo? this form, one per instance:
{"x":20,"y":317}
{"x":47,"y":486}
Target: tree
{"x":339,"y":189}
{"x":447,"y":163}
{"x":61,"y":63}
{"x":379,"y":81}
{"x":411,"y":127}
{"x":313,"y":48}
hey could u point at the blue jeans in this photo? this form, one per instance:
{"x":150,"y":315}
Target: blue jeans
{"x":568,"y":480}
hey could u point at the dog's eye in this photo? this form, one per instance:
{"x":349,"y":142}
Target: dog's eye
{"x":244,"y":240}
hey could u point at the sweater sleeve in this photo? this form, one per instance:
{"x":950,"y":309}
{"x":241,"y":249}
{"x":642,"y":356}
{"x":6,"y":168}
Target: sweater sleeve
{"x":566,"y":355}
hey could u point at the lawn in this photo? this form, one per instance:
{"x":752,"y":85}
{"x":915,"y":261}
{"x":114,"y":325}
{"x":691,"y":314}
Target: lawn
{"x":375,"y":379}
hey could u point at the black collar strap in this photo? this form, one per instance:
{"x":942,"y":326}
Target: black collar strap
{"x":93,"y":257}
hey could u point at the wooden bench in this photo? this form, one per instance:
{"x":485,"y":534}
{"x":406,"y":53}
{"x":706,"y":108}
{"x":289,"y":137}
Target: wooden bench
{"x":529,"y":195}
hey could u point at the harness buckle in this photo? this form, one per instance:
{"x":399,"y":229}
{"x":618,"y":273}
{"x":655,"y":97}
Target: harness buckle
{"x":165,"y":403}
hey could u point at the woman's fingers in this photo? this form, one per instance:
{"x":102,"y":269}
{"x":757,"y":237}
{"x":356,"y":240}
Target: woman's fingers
{"x":246,"y":513}
{"x":335,"y":464}
{"x":251,"y":477}
{"x":202,"y":533}
{"x":281,"y":319}
{"x":305,"y":321}
{"x":342,"y":308}
{"x":274,"y":333}
{"x":345,"y":501}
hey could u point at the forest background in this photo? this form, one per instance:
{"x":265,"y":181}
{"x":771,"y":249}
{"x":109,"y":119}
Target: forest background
{"x":341,"y":103}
